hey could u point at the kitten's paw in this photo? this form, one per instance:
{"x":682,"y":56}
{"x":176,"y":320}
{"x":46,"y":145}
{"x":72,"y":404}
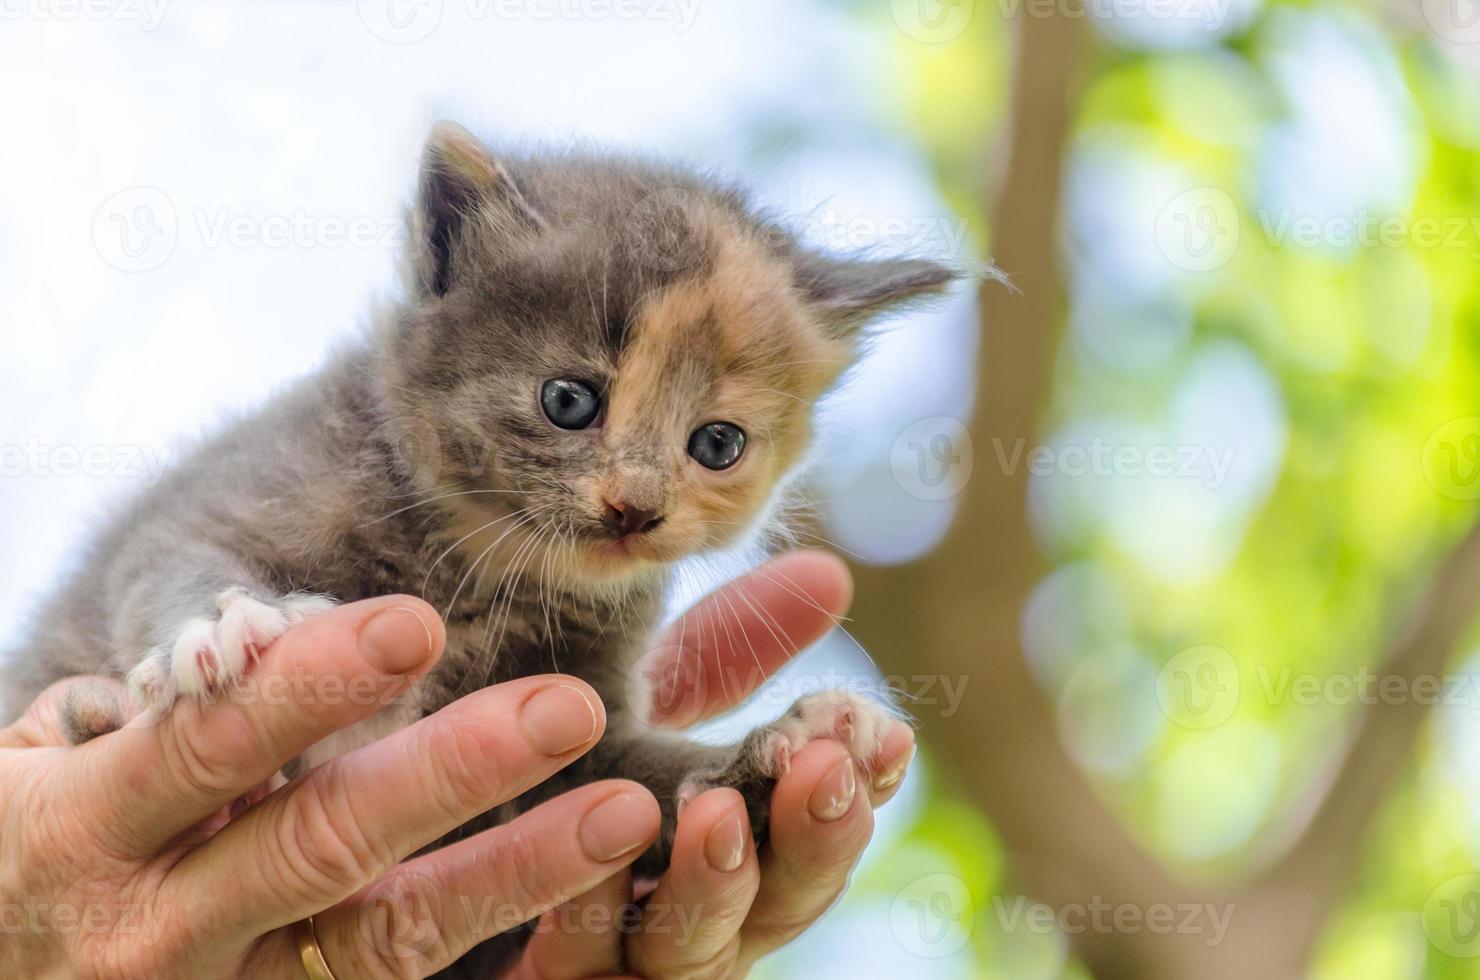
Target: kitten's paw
{"x":211,"y":653}
{"x":765,"y":756}
{"x":857,"y":722}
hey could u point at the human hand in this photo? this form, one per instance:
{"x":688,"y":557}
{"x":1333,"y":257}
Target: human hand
{"x":821,"y":810}
{"x":119,"y":857}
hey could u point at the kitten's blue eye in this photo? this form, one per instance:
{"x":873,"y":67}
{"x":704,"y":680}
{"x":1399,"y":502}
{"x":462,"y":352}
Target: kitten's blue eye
{"x":570,"y":404}
{"x":717,"y":445}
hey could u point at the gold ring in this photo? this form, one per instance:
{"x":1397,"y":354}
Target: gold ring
{"x":306,"y":936}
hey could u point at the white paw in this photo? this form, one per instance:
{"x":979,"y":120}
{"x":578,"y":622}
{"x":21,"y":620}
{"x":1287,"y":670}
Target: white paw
{"x":857,"y":722}
{"x":209,"y":654}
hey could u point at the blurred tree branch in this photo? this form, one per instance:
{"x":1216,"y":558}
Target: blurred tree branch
{"x":961,"y":606}
{"x":1319,"y":864}
{"x":959,"y":612}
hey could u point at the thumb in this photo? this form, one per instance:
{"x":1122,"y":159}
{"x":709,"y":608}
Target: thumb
{"x":68,"y":713}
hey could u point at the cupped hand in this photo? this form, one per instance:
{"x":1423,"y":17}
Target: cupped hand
{"x":122,"y":858}
{"x":119,"y":857}
{"x":722,"y":906}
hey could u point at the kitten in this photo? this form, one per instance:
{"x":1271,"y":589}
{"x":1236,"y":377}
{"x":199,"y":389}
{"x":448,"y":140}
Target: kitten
{"x":598,"y":367}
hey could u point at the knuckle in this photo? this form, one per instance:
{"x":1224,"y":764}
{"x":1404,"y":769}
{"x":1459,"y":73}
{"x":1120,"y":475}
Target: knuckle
{"x":198,"y":766}
{"x":522,"y":876}
{"x":465,"y":775}
{"x":324,"y":847}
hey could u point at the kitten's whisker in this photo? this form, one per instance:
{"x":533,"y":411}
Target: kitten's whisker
{"x":458,"y":543}
{"x":420,"y":395}
{"x":840,"y":624}
{"x":433,"y":500}
{"x":783,"y":640}
{"x":420,"y":490}
{"x":788,"y":585}
{"x":511,"y":575}
{"x":708,"y":617}
{"x":486,"y":552}
{"x":744,"y":632}
{"x":521,"y":563}
{"x":794,"y":532}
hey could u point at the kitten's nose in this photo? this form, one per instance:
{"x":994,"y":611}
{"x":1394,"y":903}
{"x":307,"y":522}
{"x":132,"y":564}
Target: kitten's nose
{"x":624,"y":518}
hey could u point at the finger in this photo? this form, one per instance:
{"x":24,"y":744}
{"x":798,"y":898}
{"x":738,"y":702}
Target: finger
{"x":892,"y":763}
{"x":714,"y":871}
{"x":46,"y":722}
{"x":820,"y":824}
{"x":351,"y":820}
{"x":430,"y":911}
{"x":156,"y":778}
{"x":583,"y":938}
{"x":719,"y":651}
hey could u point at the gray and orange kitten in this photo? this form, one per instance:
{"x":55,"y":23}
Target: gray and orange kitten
{"x":598,"y":367}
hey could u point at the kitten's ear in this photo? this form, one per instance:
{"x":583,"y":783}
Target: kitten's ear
{"x":459,"y":179}
{"x":848,"y":293}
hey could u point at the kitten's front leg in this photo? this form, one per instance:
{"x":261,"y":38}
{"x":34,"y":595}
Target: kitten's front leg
{"x":211,"y":651}
{"x":677,"y":770}
{"x":201,"y":617}
{"x":200,"y":634}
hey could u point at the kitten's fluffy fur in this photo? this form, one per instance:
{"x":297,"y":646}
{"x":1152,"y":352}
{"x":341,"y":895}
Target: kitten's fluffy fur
{"x":419,"y":461}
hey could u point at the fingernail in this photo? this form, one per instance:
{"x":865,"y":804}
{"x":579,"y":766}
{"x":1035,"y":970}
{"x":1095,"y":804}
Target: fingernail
{"x":890,"y":778}
{"x":618,"y":826}
{"x":559,"y":719}
{"x":396,"y":640}
{"x":833,"y":797}
{"x":724,"y":848}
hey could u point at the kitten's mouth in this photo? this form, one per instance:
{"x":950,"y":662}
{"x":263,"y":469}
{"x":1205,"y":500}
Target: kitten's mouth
{"x":623,"y":555}
{"x":630,"y":547}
